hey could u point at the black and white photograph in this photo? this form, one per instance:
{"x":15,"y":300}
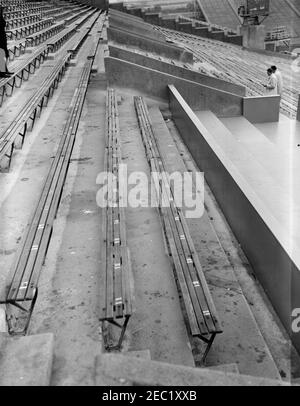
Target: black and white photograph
{"x":149,"y":207}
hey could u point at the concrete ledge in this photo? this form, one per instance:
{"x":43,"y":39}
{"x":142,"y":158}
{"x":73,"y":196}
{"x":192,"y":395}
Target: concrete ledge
{"x":137,"y":27}
{"x":263,"y":239}
{"x":147,"y":44}
{"x":26,"y":361}
{"x":120,"y":13}
{"x":154,"y":83}
{"x":298,"y":111}
{"x":262,"y":109}
{"x":115,"y":370}
{"x":174,"y":70}
{"x":203,"y":30}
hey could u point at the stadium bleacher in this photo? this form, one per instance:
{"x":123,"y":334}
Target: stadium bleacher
{"x":224,"y":13}
{"x":92,"y":90}
{"x":220,"y":13}
{"x":239,"y":66}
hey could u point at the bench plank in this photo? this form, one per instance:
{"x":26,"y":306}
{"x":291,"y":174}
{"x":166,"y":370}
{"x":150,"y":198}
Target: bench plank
{"x":116,"y":259}
{"x":199,"y":306}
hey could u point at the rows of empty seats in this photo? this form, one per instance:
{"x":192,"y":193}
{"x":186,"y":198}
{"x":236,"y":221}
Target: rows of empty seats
{"x":282,"y":13}
{"x":239,"y":66}
{"x":202,"y":317}
{"x":116,"y":303}
{"x":22,"y":67}
{"x":21,"y":287}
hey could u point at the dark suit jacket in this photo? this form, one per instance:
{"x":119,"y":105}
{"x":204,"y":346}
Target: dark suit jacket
{"x":3,"y":39}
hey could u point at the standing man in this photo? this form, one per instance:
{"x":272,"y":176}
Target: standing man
{"x":272,"y":84}
{"x":278,"y":75}
{"x":3,"y":47}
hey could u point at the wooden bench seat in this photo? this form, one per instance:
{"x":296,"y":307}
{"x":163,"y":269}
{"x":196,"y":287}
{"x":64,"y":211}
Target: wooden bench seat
{"x":21,"y":288}
{"x":199,"y":307}
{"x":116,"y":303}
{"x":13,"y":136}
{"x":20,"y":21}
{"x":26,"y":30}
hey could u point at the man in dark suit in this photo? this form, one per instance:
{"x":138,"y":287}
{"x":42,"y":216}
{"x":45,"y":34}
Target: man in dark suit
{"x":3,"y":47}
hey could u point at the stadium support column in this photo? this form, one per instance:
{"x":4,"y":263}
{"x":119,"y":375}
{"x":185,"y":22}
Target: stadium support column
{"x":253,"y":36}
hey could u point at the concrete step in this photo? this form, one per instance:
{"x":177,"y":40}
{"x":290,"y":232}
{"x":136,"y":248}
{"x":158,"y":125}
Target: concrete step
{"x":26,"y":361}
{"x":279,"y":164}
{"x":119,"y":370}
{"x":266,"y":191}
{"x":285,"y":135}
{"x":144,"y":354}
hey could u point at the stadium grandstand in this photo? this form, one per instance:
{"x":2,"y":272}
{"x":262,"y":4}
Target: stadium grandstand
{"x":149,"y":195}
{"x":225,"y":13}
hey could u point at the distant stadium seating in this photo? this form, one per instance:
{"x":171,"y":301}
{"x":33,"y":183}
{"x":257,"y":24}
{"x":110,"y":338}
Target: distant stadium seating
{"x":220,"y":13}
{"x":80,"y":27}
{"x":239,"y":66}
{"x":282,"y":13}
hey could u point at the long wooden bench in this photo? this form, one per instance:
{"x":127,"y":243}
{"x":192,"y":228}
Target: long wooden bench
{"x":73,"y":30}
{"x":41,"y":36}
{"x":13,"y":136}
{"x":99,"y":27}
{"x":202,"y":316}
{"x":26,"y":30}
{"x":116,"y":303}
{"x":21,"y":288}
{"x":24,"y":68}
{"x":20,"y":21}
{"x":72,"y":18}
{"x":15,"y":13}
{"x":13,"y":7}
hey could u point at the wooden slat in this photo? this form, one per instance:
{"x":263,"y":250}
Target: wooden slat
{"x":118,"y":292}
{"x":187,"y":265}
{"x":32,"y":252}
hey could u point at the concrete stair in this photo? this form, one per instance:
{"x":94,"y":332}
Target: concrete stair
{"x":278,"y":164}
{"x":120,"y":370}
{"x":253,"y":171}
{"x":26,"y":361}
{"x":285,"y":134}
